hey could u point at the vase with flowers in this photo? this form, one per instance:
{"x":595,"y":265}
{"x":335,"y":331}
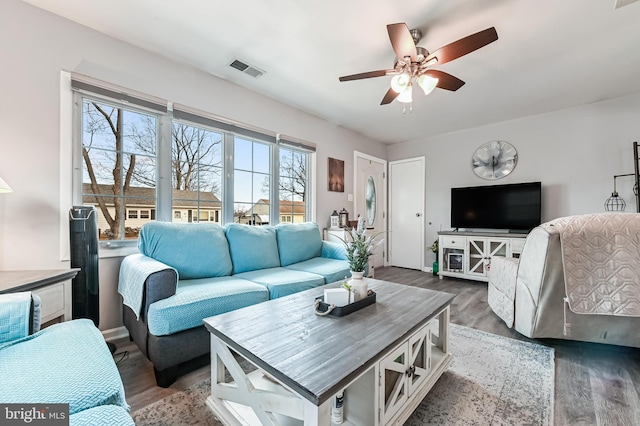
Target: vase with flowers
{"x":359,"y":246}
{"x":434,"y":249}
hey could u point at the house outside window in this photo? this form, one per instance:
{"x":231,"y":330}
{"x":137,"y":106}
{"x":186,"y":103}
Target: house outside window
{"x":137,"y":161}
{"x":196,"y":170}
{"x":118,"y":152}
{"x":252,"y":181}
{"x":293,"y":181}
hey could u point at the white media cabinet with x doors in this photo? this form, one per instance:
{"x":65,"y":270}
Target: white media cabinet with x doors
{"x":468,"y":254}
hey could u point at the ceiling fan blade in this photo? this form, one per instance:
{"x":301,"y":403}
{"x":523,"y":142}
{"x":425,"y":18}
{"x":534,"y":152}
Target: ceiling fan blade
{"x":445,"y":81}
{"x":402,"y":42}
{"x":464,"y":46}
{"x":370,"y":74}
{"x":389,"y":97}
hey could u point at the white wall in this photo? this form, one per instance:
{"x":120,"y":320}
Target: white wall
{"x":573,"y":152}
{"x":36,"y":46}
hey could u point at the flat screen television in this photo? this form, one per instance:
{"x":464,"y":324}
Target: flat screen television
{"x":515,"y":207}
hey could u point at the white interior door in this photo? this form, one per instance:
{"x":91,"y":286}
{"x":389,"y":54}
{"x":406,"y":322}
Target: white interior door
{"x":406,"y":213}
{"x":370,"y":199}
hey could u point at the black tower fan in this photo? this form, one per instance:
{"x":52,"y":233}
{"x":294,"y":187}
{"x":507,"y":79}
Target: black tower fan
{"x":83,"y":233}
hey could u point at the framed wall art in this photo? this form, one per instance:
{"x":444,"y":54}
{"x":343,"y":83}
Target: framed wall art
{"x":336,"y":175}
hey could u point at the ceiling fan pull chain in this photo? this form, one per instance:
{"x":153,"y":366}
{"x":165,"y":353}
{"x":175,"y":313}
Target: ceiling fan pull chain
{"x":404,"y":108}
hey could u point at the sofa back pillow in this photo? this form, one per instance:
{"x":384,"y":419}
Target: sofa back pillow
{"x":195,"y":250}
{"x":298,"y":242}
{"x":252,"y":247}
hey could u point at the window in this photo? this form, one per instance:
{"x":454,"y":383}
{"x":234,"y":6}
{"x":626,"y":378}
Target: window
{"x":136,"y":161}
{"x":118,"y":164}
{"x":252,"y":181}
{"x":293,"y":182}
{"x":196,"y":170}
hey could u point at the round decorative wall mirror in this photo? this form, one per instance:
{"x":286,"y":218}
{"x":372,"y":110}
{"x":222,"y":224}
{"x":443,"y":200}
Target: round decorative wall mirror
{"x":494,"y":160}
{"x":370,"y":201}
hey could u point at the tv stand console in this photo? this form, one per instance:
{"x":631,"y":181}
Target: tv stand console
{"x":468,"y":254}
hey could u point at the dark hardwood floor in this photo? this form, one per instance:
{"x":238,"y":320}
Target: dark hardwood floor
{"x":595,"y":384}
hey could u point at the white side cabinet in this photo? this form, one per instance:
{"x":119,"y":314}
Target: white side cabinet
{"x":53,"y":287}
{"x":468,"y":255}
{"x":331,"y":234}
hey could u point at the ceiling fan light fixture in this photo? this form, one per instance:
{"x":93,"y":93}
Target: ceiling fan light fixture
{"x":405,"y":95}
{"x":427,"y":83}
{"x":400,"y":82}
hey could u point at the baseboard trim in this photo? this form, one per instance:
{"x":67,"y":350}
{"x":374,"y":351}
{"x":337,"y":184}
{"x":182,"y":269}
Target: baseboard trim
{"x":115,"y":333}
{"x":427,"y":269}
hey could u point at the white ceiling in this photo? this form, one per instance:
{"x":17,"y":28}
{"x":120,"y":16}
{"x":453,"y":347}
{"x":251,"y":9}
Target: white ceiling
{"x":550,"y":54}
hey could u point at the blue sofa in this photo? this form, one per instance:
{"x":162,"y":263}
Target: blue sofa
{"x":187,"y":272}
{"x":66,"y":363}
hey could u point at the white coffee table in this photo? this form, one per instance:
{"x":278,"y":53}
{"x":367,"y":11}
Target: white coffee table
{"x":386,"y":357}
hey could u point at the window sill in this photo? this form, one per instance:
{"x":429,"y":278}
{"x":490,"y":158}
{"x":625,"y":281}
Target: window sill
{"x":116,"y":249}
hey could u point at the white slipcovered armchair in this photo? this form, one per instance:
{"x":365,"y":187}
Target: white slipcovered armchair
{"x":577,"y":278}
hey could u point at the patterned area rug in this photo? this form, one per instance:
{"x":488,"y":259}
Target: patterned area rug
{"x":492,"y":380}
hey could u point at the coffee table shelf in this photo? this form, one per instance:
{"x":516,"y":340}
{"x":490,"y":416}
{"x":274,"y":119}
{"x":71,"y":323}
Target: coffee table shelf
{"x":386,"y":357}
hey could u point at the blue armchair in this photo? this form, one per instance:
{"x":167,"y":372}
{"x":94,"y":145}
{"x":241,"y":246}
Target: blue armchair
{"x":66,"y":363}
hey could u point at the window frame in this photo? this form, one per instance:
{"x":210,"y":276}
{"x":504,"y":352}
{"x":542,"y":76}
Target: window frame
{"x":78,"y":98}
{"x":72,"y":98}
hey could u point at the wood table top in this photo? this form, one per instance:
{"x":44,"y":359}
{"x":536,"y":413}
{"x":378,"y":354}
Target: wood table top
{"x":319,"y":355}
{"x":13,"y":281}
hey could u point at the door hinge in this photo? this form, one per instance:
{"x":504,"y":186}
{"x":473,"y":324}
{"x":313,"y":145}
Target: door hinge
{"x":384,"y":175}
{"x":384,"y":214}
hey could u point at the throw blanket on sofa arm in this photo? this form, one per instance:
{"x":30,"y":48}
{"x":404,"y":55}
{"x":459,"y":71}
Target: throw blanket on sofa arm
{"x":601,"y":258}
{"x":134,"y":271}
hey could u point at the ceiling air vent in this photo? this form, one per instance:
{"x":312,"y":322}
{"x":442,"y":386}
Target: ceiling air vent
{"x":246,"y":68}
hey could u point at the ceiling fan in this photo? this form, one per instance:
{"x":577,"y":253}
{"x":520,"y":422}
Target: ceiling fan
{"x":413,"y":62}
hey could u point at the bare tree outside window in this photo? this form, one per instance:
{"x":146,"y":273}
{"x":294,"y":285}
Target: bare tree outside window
{"x":119,"y":159}
{"x":292,"y":184}
{"x":196,"y":159}
{"x":119,"y":172}
{"x":110,"y":152}
{"x":196,"y":172}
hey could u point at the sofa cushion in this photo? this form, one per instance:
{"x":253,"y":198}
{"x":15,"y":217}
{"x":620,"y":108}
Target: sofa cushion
{"x":195,"y":250}
{"x":283,"y":281}
{"x":252,"y":247}
{"x":331,"y":269}
{"x":64,"y":363}
{"x":298,"y":242}
{"x":198,"y":299}
{"x":334,"y":250}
